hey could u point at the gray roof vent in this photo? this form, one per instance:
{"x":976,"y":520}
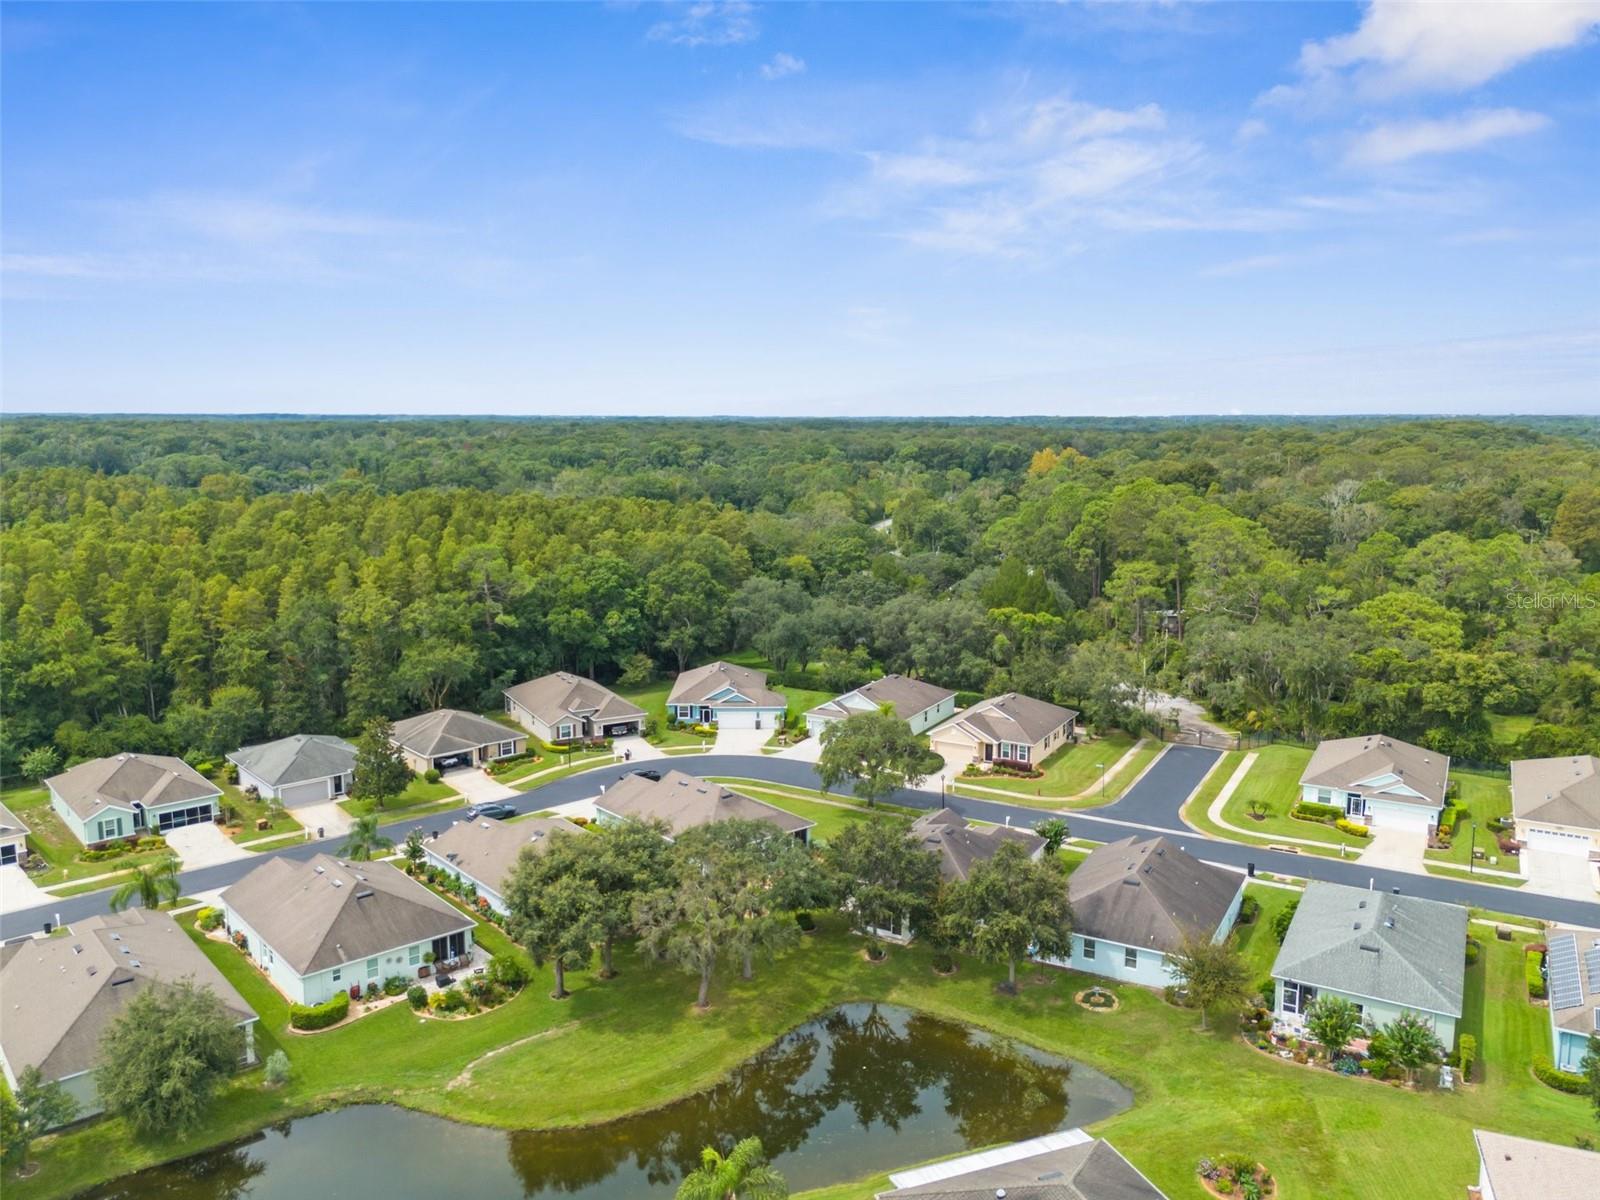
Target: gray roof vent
{"x":364,"y":894}
{"x":339,"y":883}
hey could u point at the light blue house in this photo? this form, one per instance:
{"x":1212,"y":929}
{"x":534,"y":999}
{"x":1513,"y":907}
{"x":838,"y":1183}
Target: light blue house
{"x":1573,"y":966}
{"x":728,"y":696}
{"x":131,"y":795}
{"x":1387,"y":954}
{"x":1134,"y":902}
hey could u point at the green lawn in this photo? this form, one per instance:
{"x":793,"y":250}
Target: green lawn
{"x":1506,"y":728}
{"x":49,"y":837}
{"x":1195,"y":811}
{"x":636,"y":1041}
{"x":417,"y":793}
{"x":242,"y":827}
{"x":653,"y":699}
{"x":831,"y":819}
{"x":1074,"y":768}
{"x":1474,"y":876}
{"x":1485,"y":797}
{"x":1274,"y":781}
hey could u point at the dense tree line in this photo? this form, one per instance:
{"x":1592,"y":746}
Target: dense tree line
{"x":189,"y":585}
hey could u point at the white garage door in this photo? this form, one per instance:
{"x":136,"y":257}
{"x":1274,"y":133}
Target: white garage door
{"x":1399,"y":816}
{"x":738,"y":719}
{"x":1558,"y":841}
{"x":815,"y":725}
{"x":314,"y":792}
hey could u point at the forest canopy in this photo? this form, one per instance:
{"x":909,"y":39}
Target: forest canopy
{"x":189,"y":585}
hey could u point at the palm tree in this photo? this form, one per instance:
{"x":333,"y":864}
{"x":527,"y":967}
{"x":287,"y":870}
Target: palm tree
{"x":151,"y":885}
{"x":363,"y":839}
{"x":743,"y":1175}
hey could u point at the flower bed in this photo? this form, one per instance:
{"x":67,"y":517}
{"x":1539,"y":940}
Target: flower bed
{"x":1098,"y":999}
{"x":1236,"y":1175}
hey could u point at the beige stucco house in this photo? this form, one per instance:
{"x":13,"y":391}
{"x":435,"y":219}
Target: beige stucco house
{"x":1013,"y":729}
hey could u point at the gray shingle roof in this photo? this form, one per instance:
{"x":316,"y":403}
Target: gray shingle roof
{"x":1090,"y":1171}
{"x":10,"y":823}
{"x":60,"y":993}
{"x":683,"y":802}
{"x":1571,"y":951}
{"x":1013,"y":717}
{"x":562,"y":697}
{"x":1406,"y":951}
{"x":1558,"y":791}
{"x":958,"y":845}
{"x":450,"y":731}
{"x":698,"y":684}
{"x":125,"y":779}
{"x":1523,"y":1169}
{"x":486,"y":851}
{"x":905,"y":696}
{"x":297,"y":759}
{"x":321,"y":913}
{"x":1347,"y":762}
{"x":1149,"y":894}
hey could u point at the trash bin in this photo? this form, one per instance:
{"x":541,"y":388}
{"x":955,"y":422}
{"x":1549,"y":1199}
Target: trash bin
{"x":319,"y":830}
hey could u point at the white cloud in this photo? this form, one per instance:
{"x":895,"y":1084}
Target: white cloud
{"x":1402,"y":140}
{"x":1251,"y":129}
{"x":242,"y":218}
{"x":782,"y":64}
{"x":1404,"y":46}
{"x":708,"y":23}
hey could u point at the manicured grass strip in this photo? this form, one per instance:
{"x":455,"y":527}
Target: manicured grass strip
{"x":1072,"y":768}
{"x":1485,"y":797}
{"x":1274,"y":781}
{"x":418,"y":793}
{"x":277,"y":843}
{"x":1196,"y":811}
{"x":590,"y":763}
{"x":1475,"y":877}
{"x":831,"y":819}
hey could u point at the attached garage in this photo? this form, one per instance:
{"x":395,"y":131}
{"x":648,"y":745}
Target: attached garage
{"x":176,"y":818}
{"x":741,"y":718}
{"x":1388,"y":814}
{"x":314,"y":791}
{"x":1558,"y":841}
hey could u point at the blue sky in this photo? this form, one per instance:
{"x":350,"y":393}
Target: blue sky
{"x":801,"y":209}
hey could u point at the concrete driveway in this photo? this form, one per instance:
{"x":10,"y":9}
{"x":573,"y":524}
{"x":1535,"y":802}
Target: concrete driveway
{"x":809,"y":750}
{"x":741,"y":741}
{"x":479,"y":787}
{"x":636,"y":749}
{"x":17,"y":891}
{"x":1557,"y":874}
{"x":203,"y":845}
{"x":327,"y":816}
{"x":1396,"y":850}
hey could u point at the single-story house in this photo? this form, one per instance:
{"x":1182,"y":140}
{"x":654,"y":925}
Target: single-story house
{"x":1556,"y":803}
{"x":322,"y":926}
{"x":447,"y":738}
{"x":682,"y":802}
{"x":307,"y":768}
{"x":946,"y":834}
{"x":1067,"y":1165}
{"x":1135,"y":902}
{"x":13,"y":837}
{"x":1517,"y":1168}
{"x":561,"y":707}
{"x":129,"y":795}
{"x":730,"y":696}
{"x":1572,"y":965}
{"x":1013,"y":729}
{"x":1378,"y":781}
{"x":65,"y":991}
{"x":483,"y":852}
{"x":1388,"y":954}
{"x":920,"y":705}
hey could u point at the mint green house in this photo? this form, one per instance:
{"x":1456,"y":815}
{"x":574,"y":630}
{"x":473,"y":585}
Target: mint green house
{"x":131,"y":795}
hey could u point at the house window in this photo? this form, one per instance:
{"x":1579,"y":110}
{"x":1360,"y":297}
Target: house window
{"x":1088,"y":948}
{"x":1324,"y":795}
{"x":1130,"y":957}
{"x":1022,"y":752}
{"x":372,"y":968}
{"x":414,"y":955}
{"x":507,"y":748}
{"x":563,"y":732}
{"x":1297,"y":997}
{"x":337,"y":972}
{"x":109,"y":827}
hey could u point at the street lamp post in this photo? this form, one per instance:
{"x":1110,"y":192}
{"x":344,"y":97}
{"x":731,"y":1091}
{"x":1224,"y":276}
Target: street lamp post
{"x":1472,"y":850}
{"x":1101,"y":767}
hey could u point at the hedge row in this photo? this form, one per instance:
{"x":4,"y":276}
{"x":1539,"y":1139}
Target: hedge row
{"x":1562,"y":1081}
{"x":320,"y":1016}
{"x":1318,"y":812}
{"x":1344,"y":825}
{"x":1531,"y":964}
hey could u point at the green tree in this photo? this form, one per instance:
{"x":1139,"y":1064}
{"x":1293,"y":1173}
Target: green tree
{"x":163,"y":1059}
{"x":363,"y":839}
{"x":152,"y":885}
{"x":877,"y":752}
{"x":38,"y":1106}
{"x":744,"y":1174}
{"x":1283,"y":918}
{"x":694,"y":921}
{"x":1009,"y":905}
{"x":882,"y":878}
{"x":555,"y":911}
{"x":1213,"y":973}
{"x":1577,"y":524}
{"x":1334,"y":1021}
{"x":631,"y":860}
{"x":41,"y":762}
{"x":234,"y":718}
{"x":1055,"y":833}
{"x":381,"y":771}
{"x":413,"y":849}
{"x":1590,"y":1068}
{"x":1410,"y":1042}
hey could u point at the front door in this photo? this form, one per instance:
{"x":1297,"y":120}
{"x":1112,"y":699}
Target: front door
{"x":139,"y":821}
{"x":988,"y":752}
{"x":1354,"y":805}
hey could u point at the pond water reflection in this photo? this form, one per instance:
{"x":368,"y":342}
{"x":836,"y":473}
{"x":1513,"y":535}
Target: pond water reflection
{"x":862,"y":1089}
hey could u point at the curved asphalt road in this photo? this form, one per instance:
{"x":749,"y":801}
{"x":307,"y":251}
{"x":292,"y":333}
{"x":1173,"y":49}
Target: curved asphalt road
{"x":1151,"y":804}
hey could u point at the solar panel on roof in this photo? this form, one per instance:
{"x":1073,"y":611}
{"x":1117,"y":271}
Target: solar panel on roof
{"x":1561,"y":964}
{"x":1591,"y":967}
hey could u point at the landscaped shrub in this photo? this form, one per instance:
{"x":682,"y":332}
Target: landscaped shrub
{"x":452,"y":999}
{"x":1473,"y":951}
{"x":1317,"y":812}
{"x":805,"y":921}
{"x":1467,"y":1052}
{"x":1249,"y":910}
{"x":1347,"y":826}
{"x":432,"y":775}
{"x":395,"y":985}
{"x":1508,"y":844}
{"x":1280,"y":923}
{"x":320,"y":1016}
{"x":507,"y":971}
{"x":208,"y":919}
{"x":1532,"y":964}
{"x":417,"y":995}
{"x":1562,"y":1081}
